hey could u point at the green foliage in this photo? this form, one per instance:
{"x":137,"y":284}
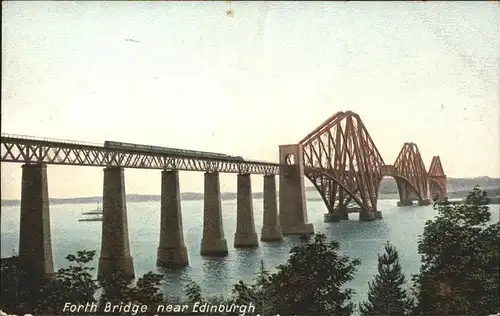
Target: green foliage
{"x":460,"y":260}
{"x":386,"y":296}
{"x":76,"y":285}
{"x":146,"y":291}
{"x":193,"y":292}
{"x":12,"y":293}
{"x":73,"y":284}
{"x":115,"y":289}
{"x":194,"y":295}
{"x":260,"y":293}
{"x":311,"y":282}
{"x":76,"y":280}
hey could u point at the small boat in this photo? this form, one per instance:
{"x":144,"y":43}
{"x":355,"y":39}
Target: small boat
{"x":91,"y":219}
{"x":97,"y":215}
{"x":97,"y":211}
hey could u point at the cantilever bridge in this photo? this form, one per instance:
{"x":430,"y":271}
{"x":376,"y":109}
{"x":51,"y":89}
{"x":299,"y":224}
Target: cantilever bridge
{"x":344,"y":165}
{"x":339,"y":157}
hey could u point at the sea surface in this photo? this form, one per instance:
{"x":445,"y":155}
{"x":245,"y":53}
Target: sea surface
{"x":363,"y":240}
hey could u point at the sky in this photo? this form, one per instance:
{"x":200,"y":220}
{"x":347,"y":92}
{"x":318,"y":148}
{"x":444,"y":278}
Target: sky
{"x":193,"y":77}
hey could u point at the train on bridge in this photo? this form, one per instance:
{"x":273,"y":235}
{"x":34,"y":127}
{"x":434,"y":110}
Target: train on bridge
{"x":170,"y":151}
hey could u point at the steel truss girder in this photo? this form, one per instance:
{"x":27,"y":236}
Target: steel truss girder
{"x":436,"y":168}
{"x":21,"y":150}
{"x":325,"y":182}
{"x":350,"y":162}
{"x":410,"y":166}
{"x":436,"y":173}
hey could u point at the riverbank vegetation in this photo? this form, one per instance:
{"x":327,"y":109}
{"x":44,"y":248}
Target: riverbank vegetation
{"x":458,"y":276}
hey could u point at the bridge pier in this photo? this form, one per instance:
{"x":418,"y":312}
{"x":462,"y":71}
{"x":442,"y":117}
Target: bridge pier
{"x":424,"y":202}
{"x":343,"y":213}
{"x":271,"y":229}
{"x":213,"y":242}
{"x":245,"y":235}
{"x":366,"y":216}
{"x":403,"y":194}
{"x":335,"y":217}
{"x":436,"y":184}
{"x":171,"y":249}
{"x":332,"y":217}
{"x":405,"y":203}
{"x":378,"y":214}
{"x":338,"y":214}
{"x":115,"y":247}
{"x":292,"y":201}
{"x":35,"y":245}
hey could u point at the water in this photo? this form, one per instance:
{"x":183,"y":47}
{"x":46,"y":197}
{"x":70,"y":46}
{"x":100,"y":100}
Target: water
{"x":362,"y":240}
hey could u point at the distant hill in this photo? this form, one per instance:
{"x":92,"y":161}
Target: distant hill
{"x":388,"y":185}
{"x":457,"y":188}
{"x":185,"y":196}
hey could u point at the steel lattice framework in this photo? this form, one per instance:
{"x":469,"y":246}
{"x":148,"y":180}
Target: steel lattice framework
{"x":436,"y":174}
{"x":343,"y":162}
{"x":436,"y":168}
{"x":410,"y":166}
{"x":345,"y":166}
{"x":26,"y":149}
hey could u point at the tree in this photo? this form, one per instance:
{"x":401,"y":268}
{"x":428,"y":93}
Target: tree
{"x":193,"y":294}
{"x":73,"y":284}
{"x":386,"y":296}
{"x":311,"y":282}
{"x":460,"y":260}
{"x":260,"y":293}
{"x":117,"y":289}
{"x":13,"y":294}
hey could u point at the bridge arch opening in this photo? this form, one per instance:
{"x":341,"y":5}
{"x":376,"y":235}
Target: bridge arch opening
{"x":337,"y":198}
{"x":290,"y":159}
{"x":313,"y":194}
{"x":388,"y":189}
{"x":394,"y":187}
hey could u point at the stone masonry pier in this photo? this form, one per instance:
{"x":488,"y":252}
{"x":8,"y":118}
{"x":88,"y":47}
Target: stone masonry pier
{"x":35,"y":246}
{"x":213,"y":242}
{"x":245,"y":235}
{"x":172,"y":250}
{"x":115,"y":247}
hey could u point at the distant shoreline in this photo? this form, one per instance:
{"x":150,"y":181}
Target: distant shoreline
{"x":493,"y":194}
{"x":457,"y":188}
